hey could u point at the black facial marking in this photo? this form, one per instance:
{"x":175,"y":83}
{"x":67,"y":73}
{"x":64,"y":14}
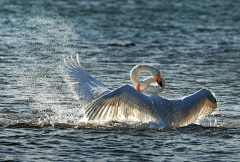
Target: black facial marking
{"x":160,"y":84}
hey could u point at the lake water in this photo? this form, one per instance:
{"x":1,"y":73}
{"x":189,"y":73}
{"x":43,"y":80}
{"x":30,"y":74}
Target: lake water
{"x":195,"y":44}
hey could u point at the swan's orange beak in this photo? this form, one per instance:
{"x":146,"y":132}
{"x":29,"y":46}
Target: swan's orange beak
{"x":159,"y":78}
{"x":138,"y":87}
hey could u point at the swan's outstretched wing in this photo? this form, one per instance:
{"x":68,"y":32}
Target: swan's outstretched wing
{"x":124,"y":102}
{"x":86,"y":87}
{"x":189,"y":109}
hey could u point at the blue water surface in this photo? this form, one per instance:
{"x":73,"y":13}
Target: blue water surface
{"x":195,"y":44}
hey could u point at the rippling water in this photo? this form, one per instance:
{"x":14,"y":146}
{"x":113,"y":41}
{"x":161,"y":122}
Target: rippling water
{"x":194,"y":44}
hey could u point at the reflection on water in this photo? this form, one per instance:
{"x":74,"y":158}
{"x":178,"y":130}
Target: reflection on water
{"x":194,"y":44}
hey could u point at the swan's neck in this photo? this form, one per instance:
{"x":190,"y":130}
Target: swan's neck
{"x":146,"y":83}
{"x":156,"y":89}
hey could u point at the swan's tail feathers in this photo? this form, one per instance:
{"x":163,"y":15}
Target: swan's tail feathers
{"x":125,"y":103}
{"x":193,"y":107}
{"x":85,"y":87}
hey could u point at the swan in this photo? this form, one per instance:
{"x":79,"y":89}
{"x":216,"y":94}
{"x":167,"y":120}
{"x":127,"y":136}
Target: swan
{"x":139,"y":103}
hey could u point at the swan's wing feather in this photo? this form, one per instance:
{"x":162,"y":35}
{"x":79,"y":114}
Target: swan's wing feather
{"x":123,"y":103}
{"x":86,"y":87}
{"x":189,"y":109}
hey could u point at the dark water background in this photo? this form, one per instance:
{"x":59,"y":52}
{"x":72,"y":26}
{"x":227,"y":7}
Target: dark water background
{"x":195,"y":44}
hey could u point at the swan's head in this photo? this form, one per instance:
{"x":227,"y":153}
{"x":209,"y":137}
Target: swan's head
{"x":147,"y":85}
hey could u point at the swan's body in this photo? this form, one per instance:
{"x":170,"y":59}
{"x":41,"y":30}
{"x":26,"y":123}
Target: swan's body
{"x":140,"y":104}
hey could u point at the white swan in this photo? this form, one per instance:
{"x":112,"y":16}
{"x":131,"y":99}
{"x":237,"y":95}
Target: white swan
{"x":140,"y":103}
